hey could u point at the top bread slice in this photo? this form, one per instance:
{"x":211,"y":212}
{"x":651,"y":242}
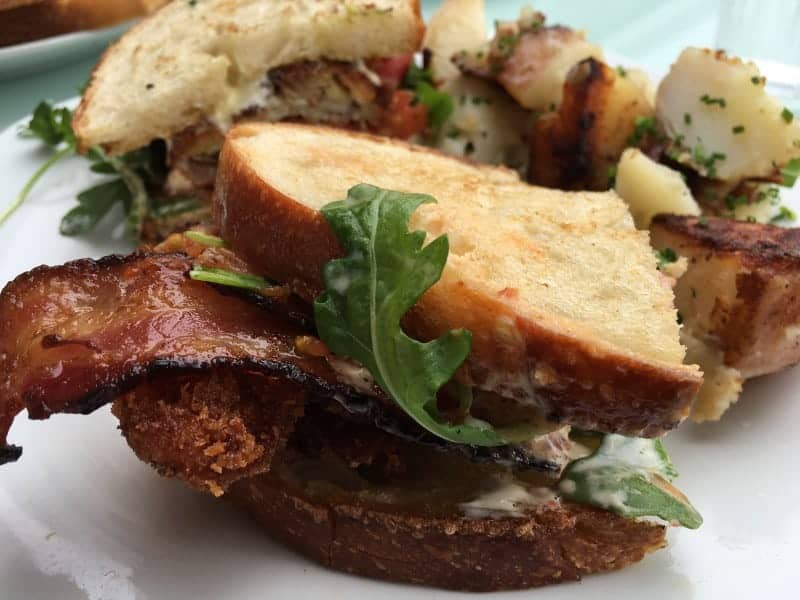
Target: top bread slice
{"x":560,"y":291}
{"x":195,"y":61}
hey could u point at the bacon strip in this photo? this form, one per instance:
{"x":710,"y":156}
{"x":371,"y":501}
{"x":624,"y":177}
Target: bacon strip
{"x":81,"y":335}
{"x":77,"y":336}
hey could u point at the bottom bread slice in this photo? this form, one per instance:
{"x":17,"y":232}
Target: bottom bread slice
{"x":548,"y":545}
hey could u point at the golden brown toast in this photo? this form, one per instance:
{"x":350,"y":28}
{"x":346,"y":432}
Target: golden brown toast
{"x":560,"y":291}
{"x":197,"y":62}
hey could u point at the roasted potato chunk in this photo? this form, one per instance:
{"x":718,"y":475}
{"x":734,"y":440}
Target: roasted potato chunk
{"x":721,"y":120}
{"x":740,"y":293}
{"x":529,"y":59}
{"x":457,"y":26}
{"x":649,"y":188}
{"x":577,"y":146}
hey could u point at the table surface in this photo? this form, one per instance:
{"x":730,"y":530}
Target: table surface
{"x":651,"y":32}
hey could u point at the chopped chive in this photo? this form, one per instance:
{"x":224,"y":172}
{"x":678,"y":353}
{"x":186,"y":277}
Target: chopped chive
{"x":706,"y":99}
{"x":787,"y":115}
{"x":738,"y":129}
{"x":621,"y":71}
{"x":756,"y":80}
{"x":206,"y":239}
{"x":665,"y":257}
{"x":229,"y":278}
{"x":687,"y":118}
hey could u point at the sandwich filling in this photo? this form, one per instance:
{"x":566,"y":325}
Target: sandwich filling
{"x":189,"y":342}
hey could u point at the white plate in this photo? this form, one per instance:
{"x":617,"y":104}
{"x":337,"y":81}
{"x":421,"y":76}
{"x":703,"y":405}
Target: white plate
{"x":81,"y":517}
{"x":39,"y":56}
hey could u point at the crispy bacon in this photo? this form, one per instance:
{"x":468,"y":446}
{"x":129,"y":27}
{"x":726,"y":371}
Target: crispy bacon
{"x":77,"y":336}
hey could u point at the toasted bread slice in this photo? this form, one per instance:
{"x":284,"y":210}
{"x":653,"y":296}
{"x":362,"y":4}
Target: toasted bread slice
{"x":27,"y":20}
{"x":359,"y":500}
{"x":739,"y":295}
{"x":561,"y":293}
{"x":196,"y":61}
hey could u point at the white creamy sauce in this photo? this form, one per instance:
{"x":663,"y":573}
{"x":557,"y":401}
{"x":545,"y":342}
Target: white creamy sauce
{"x":507,"y":499}
{"x":371,"y":75}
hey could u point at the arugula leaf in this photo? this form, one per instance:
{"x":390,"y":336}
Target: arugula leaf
{"x":93,"y":205}
{"x":439,"y":103}
{"x":52,"y":126}
{"x":386,"y":270}
{"x":631,"y":477}
{"x":139,"y":172}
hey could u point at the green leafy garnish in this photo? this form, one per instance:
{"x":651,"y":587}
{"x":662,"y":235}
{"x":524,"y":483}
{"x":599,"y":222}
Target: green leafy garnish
{"x":630,"y":477}
{"x":205,"y":239}
{"x":93,"y":205}
{"x":138,"y":173}
{"x":787,"y":115}
{"x":229,"y":278}
{"x":790,"y":172}
{"x":784,"y":214}
{"x":386,"y":270}
{"x":665,"y":257}
{"x":438,"y":103}
{"x":53,"y":127}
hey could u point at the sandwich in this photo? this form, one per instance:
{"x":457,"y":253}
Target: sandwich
{"x":405,"y":365}
{"x":29,"y":20}
{"x":331,"y":62}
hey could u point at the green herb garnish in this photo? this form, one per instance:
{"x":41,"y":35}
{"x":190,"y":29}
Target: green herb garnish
{"x":687,"y":118}
{"x":738,"y":129}
{"x":206,"y":239}
{"x":53,"y":127}
{"x":438,"y":103}
{"x":643,"y":126}
{"x":137,"y":173}
{"x":706,"y":99}
{"x":229,"y":278}
{"x":665,"y":257}
{"x":784,"y":214}
{"x":630,"y":477}
{"x":621,"y":71}
{"x":787,"y":115}
{"x":707,"y":161}
{"x":367,"y":293}
{"x":612,"y":176}
{"x":790,"y":172}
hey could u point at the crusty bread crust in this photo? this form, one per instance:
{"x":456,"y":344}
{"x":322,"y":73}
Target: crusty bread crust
{"x":145,"y":86}
{"x":30,"y":20}
{"x":578,"y":380}
{"x":553,"y":544}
